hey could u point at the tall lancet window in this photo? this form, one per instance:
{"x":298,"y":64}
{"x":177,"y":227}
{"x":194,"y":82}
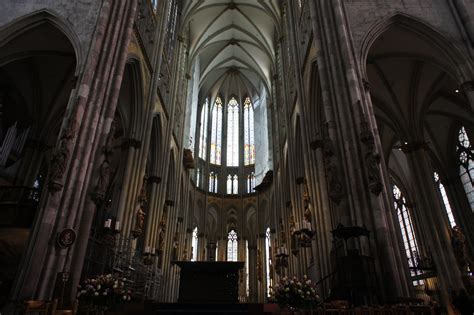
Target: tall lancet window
{"x":268,"y":260}
{"x":408,"y":234}
{"x":232,"y":246}
{"x":444,"y":196}
{"x":213,"y":182}
{"x":247,"y":285}
{"x":194,"y":244}
{"x":203,"y":130}
{"x":233,"y":133}
{"x":232,"y":184}
{"x":466,"y":169}
{"x":251,"y":182}
{"x":216,"y":132}
{"x":249,"y":145}
{"x":198,"y":177}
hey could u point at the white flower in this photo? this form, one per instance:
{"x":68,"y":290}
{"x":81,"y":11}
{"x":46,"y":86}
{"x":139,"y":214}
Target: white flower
{"x":96,"y":293}
{"x":124,"y":297}
{"x":115,"y":286}
{"x":98,"y":287}
{"x":105,"y":293}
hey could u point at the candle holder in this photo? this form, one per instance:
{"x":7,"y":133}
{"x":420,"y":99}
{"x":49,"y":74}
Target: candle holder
{"x":303,"y":234}
{"x":281,"y":262}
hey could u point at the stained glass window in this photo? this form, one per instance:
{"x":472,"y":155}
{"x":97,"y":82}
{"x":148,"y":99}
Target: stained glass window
{"x":249,"y":144}
{"x":232,"y":184}
{"x":216,"y":132}
{"x":229,"y":184}
{"x":466,"y":169}
{"x":194,"y":244}
{"x":213,"y":182}
{"x":235,"y":184}
{"x":408,"y":234}
{"x":233,"y":133}
{"x":444,"y":196}
{"x":232,"y":246}
{"x":268,"y":260}
{"x":203,"y":130}
{"x":251,"y":182}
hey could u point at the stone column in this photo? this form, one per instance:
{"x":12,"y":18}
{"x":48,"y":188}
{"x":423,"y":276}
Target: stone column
{"x":88,"y":118}
{"x":253,"y":288}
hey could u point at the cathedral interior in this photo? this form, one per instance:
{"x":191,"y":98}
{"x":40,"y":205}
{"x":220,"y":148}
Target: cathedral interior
{"x":326,"y":140}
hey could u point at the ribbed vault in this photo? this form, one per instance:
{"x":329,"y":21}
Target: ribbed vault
{"x":234,"y":41}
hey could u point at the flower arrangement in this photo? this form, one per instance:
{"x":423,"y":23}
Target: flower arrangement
{"x":104,"y":290}
{"x":295,"y":294}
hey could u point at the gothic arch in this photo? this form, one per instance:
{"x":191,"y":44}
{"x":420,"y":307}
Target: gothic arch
{"x":30,"y":21}
{"x":455,"y":57}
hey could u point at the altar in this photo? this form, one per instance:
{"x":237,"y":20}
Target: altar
{"x":209,"y":282}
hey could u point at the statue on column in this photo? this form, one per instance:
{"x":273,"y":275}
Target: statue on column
{"x":461,"y":252}
{"x":59,"y":159}
{"x":307,"y":204}
{"x":259,"y":265}
{"x":140,"y":215}
{"x":103,"y":182}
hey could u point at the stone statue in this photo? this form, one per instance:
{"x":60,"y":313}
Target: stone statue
{"x":458,"y":242}
{"x":373,"y":172}
{"x":291,"y":221}
{"x":104,"y":179}
{"x":335,"y":186}
{"x":161,"y":239}
{"x":307,"y":214}
{"x":60,"y":156}
{"x":109,"y":143}
{"x":139,"y":222}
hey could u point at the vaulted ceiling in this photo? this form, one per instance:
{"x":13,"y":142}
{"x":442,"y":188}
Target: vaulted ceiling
{"x":234,"y":42}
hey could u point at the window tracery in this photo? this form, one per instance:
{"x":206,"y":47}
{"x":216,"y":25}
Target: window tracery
{"x":232,"y":246}
{"x":408,"y":234}
{"x":216,"y":132}
{"x":194,"y":244}
{"x":232,"y":184}
{"x":213,"y":182}
{"x":249,"y":138}
{"x":444,"y":197}
{"x":233,"y":132}
{"x":203,"y":130}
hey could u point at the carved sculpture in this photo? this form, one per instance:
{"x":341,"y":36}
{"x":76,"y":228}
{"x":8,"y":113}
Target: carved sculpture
{"x":60,"y":157}
{"x":461,"y":252}
{"x":103,"y":182}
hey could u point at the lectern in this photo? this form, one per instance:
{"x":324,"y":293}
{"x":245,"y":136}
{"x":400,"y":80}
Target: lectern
{"x":209,"y":282}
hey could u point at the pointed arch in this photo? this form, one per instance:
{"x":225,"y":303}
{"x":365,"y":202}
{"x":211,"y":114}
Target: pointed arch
{"x":25,"y":23}
{"x":454,"y":57}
